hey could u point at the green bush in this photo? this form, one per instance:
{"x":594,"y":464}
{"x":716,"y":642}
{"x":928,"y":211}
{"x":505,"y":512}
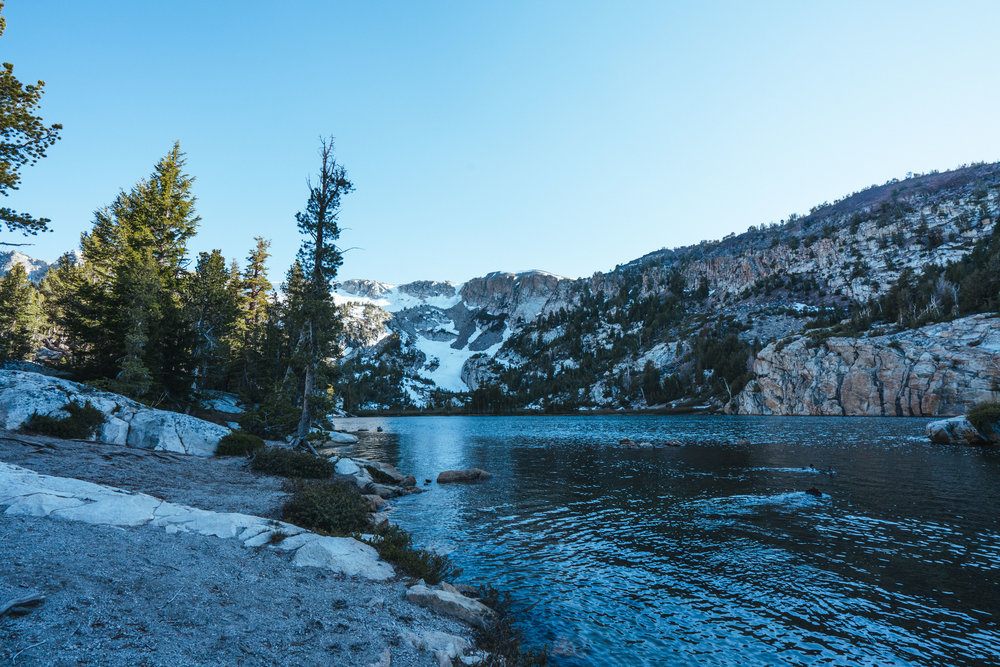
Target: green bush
{"x":984,"y":415}
{"x":82,"y":422}
{"x":288,"y":463}
{"x":239,"y":444}
{"x":396,"y":546}
{"x":335,"y":508}
{"x":275,"y":417}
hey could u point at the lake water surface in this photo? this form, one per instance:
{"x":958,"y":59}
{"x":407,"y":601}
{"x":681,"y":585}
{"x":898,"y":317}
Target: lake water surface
{"x":711,"y":553}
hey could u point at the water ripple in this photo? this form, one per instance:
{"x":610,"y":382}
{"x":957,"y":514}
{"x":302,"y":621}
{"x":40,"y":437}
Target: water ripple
{"x":712,"y":553}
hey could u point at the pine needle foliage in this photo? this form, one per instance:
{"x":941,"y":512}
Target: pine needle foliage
{"x":24,"y":139}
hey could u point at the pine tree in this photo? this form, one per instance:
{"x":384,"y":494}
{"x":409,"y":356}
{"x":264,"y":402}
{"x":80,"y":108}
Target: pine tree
{"x":211,"y":307}
{"x":24,"y":138}
{"x":250,"y":327}
{"x":129,"y":293}
{"x":255,"y":283}
{"x":156,"y":215}
{"x":139,"y":291}
{"x":314,"y":308}
{"x":20,"y":314}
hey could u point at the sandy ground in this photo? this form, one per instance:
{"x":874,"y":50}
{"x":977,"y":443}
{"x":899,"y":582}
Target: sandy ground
{"x":141,"y":596}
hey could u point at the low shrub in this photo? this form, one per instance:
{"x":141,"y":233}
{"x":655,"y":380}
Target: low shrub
{"x":275,"y":417}
{"x":239,"y":444}
{"x":395,"y":546}
{"x":334,"y":508}
{"x":82,"y":422}
{"x":502,"y":639}
{"x":288,"y":463}
{"x":983,"y":415}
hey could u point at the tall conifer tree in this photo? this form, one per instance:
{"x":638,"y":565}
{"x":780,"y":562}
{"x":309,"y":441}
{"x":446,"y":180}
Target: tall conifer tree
{"x":251,"y":325}
{"x":319,"y":258}
{"x":211,"y":306}
{"x":129,"y":311}
{"x":20,"y":314}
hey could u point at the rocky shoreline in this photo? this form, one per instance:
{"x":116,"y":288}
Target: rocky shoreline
{"x":120,"y":589}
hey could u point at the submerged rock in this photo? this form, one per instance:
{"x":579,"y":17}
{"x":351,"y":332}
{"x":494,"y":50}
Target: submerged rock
{"x":628,"y":443}
{"x":337,"y":438}
{"x":467,"y":475}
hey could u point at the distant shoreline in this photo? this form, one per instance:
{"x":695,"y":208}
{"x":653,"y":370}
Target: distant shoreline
{"x":679,"y":412}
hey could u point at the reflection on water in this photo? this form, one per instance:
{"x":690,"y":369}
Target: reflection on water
{"x":712,"y":553}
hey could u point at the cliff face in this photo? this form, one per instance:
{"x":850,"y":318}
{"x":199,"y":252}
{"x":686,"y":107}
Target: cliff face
{"x":938,"y":370}
{"x":369,"y":289}
{"x":517,"y":295}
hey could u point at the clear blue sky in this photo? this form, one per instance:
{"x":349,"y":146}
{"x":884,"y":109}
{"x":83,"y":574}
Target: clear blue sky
{"x":565,"y":136}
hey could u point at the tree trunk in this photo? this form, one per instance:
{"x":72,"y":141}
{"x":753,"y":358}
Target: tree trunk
{"x":305,"y":421}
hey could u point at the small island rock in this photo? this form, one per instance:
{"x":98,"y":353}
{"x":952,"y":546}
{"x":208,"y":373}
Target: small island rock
{"x":954,"y":431}
{"x":468,"y":475}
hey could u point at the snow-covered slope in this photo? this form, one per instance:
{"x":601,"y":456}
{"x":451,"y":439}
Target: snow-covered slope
{"x":35,"y":268}
{"x":440,"y":326}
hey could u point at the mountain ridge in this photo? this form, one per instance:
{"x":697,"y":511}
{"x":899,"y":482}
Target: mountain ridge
{"x":676,"y":327}
{"x":772,"y":279}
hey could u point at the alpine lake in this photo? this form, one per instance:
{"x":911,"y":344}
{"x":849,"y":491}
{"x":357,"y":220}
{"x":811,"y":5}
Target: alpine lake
{"x":712,"y":552}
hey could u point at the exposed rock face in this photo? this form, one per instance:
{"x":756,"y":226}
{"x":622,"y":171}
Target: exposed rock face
{"x":426,"y":289}
{"x":370,"y":289}
{"x":441,"y":644}
{"x":523,"y":295}
{"x":768,"y":283}
{"x":126,"y":422}
{"x":938,"y":370}
{"x":26,"y":492}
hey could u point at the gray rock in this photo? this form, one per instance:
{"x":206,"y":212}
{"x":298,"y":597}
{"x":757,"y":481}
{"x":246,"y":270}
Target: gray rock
{"x":348,"y":467}
{"x":222,"y":402}
{"x":127,"y":422}
{"x":382,"y":490}
{"x":391,"y":471}
{"x":438,"y":643}
{"x":26,"y":492}
{"x":471,"y":611}
{"x":955,"y":431}
{"x":337,"y":438}
{"x":375,"y":502}
{"x":467,"y":475}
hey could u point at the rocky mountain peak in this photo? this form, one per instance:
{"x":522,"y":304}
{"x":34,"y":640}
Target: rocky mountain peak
{"x":369,"y":289}
{"x":35,"y":268}
{"x":425,"y":289}
{"x":524,"y":294}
